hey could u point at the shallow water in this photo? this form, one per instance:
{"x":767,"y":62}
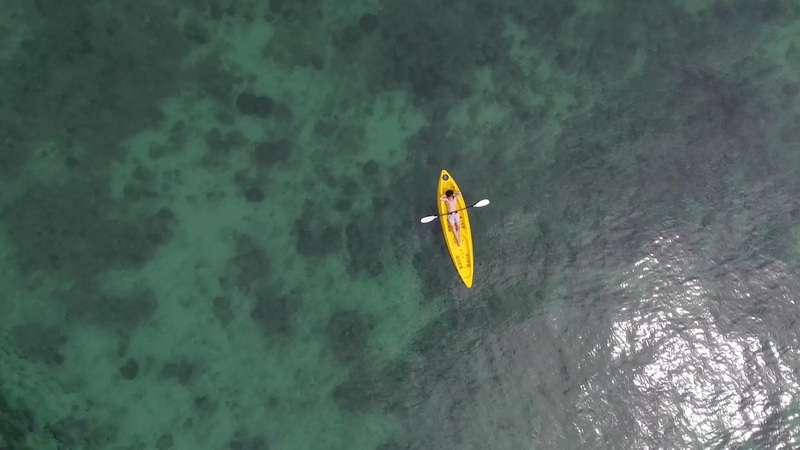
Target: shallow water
{"x":211,"y":236}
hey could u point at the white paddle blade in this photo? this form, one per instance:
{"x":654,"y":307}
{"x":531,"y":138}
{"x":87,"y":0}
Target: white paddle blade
{"x":428,"y":219}
{"x":482,"y":203}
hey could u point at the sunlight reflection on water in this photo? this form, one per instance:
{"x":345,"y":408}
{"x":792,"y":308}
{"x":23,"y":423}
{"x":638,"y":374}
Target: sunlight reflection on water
{"x":687,"y":374}
{"x":678,"y":344}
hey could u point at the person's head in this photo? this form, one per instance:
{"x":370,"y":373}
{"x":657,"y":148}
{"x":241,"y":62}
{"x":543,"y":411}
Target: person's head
{"x":449,"y":193}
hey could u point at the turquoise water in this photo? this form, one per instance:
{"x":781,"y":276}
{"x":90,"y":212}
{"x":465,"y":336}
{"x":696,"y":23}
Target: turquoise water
{"x":211,"y":239}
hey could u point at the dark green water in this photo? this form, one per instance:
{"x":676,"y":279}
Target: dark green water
{"x":211,"y":240}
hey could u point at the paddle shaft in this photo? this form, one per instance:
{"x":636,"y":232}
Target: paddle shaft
{"x":478,"y":204}
{"x":461,"y":209}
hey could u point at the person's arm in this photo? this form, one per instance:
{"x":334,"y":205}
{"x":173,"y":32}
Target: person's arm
{"x":456,"y":194}
{"x":443,"y":198}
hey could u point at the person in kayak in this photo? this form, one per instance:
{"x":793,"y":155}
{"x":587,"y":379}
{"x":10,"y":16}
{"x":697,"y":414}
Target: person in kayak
{"x":449,"y":198}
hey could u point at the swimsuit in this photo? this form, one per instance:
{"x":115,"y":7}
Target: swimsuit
{"x":453,"y":217}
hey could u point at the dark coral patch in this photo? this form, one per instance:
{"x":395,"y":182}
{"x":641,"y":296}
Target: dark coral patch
{"x":272,"y":152}
{"x":351,"y":188}
{"x":129,"y":370}
{"x":215,"y":10}
{"x":243,"y":180}
{"x":84,"y":302}
{"x":429,"y":271}
{"x":251,"y":259}
{"x":165,"y":442}
{"x":203,"y":404}
{"x":263,"y":106}
{"x":120,"y":70}
{"x":72,"y":162}
{"x":143,"y":174}
{"x":221,"y":307}
{"x":325,"y":128}
{"x":39,"y":343}
{"x":14,"y":154}
{"x":352,"y":396}
{"x":315,"y":237}
{"x":290,"y":15}
{"x":379,"y":203}
{"x":165,"y":214}
{"x":390,"y":446}
{"x":254,"y":195}
{"x":348,"y":333}
{"x":158,"y":227}
{"x":248,"y":443}
{"x":195,"y":31}
{"x":368,"y":23}
{"x":68,"y":232}
{"x":126,"y":312}
{"x":370,"y":168}
{"x":254,"y":105}
{"x":212,"y":80}
{"x":182,"y":371}
{"x":359,"y":393}
{"x":245,"y":103}
{"x":133,"y":192}
{"x":343,"y":205}
{"x":69,"y":431}
{"x":364,"y":249}
{"x":121,"y":243}
{"x":351,"y":34}
{"x":320,"y":240}
{"x":274,"y":312}
{"x":123,"y":343}
{"x":433,"y":52}
{"x":15,"y":425}
{"x":73,"y":432}
{"x":767,"y":10}
{"x":219,"y":146}
{"x":283,"y":112}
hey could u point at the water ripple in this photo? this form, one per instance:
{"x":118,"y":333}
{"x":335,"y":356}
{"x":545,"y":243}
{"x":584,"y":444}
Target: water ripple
{"x":697,"y":361}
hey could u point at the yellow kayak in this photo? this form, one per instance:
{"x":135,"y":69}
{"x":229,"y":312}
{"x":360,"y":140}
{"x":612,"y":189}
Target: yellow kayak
{"x":460,"y":254}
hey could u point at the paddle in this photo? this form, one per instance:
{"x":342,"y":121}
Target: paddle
{"x":479,"y":204}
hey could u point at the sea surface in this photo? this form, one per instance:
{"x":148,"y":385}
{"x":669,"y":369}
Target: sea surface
{"x":210,"y":229}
